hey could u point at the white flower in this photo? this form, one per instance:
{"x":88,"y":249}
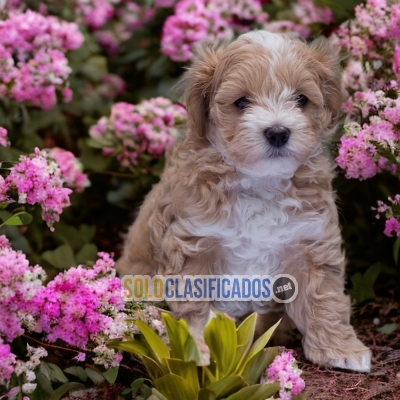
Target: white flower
{"x":28,"y":387}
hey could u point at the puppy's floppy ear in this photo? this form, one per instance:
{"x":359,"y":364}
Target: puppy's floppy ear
{"x":198,"y":87}
{"x":327,"y":66}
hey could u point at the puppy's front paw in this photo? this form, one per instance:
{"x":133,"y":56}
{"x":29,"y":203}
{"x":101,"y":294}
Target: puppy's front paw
{"x":354,"y":356}
{"x":204,"y":351}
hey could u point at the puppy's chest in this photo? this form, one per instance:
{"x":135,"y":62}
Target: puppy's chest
{"x":259,"y":231}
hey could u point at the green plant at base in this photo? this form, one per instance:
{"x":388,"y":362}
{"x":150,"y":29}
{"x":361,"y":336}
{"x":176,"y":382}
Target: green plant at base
{"x":236,"y":363}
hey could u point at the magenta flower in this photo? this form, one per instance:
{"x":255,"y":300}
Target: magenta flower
{"x":150,"y":127}
{"x":3,"y":138}
{"x":284,"y":370}
{"x":71,"y":169}
{"x":37,"y":179}
{"x":7,"y":362}
{"x":73,"y":306}
{"x":19,"y":284}
{"x":32,"y":57}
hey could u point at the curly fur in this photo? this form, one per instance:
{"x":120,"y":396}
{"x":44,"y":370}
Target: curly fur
{"x":229,"y":203}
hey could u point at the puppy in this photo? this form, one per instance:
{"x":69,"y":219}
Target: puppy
{"x":248,"y":190}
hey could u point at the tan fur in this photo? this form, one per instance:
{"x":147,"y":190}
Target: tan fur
{"x":201,"y":170}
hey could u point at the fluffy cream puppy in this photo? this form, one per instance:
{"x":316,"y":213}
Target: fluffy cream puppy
{"x":248,"y":190}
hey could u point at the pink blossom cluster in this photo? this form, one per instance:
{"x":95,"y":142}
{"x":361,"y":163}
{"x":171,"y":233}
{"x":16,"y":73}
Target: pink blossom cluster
{"x":364,"y":151}
{"x":206,"y":20}
{"x":114,"y":21}
{"x":71,"y":169}
{"x":74,"y":305}
{"x":149,"y":127}
{"x":284,"y":370}
{"x":33,"y":66}
{"x":213,"y":20}
{"x":19,"y":284}
{"x":96,"y":12}
{"x":392,"y":215}
{"x":151,"y":315}
{"x":7,"y":362}
{"x":301,"y":15}
{"x":81,"y":307}
{"x":3,"y":137}
{"x":371,"y":141}
{"x":37,"y":179}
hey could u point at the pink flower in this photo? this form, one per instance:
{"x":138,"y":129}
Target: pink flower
{"x":71,"y":169}
{"x":392,"y":227}
{"x":7,"y":362}
{"x":210,"y":21}
{"x":391,"y":214}
{"x":37,"y":179}
{"x":396,"y":60}
{"x":19,"y":284}
{"x":3,"y":137}
{"x":150,"y":127}
{"x":32,"y":57}
{"x":284,"y":370}
{"x":72,"y":304}
{"x":81,"y":357}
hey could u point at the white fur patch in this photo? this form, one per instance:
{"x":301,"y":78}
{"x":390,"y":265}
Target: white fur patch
{"x":258,"y":233}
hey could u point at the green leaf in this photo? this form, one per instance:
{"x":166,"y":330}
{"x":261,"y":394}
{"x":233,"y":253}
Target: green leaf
{"x":44,"y":382}
{"x":182,"y":344}
{"x":154,"y":369}
{"x":205,"y":394}
{"x":131,"y":346}
{"x":260,"y":343}
{"x":258,"y":364}
{"x":79,"y":372}
{"x":87,"y":232}
{"x":363,"y":285}
{"x":61,"y":258}
{"x":387,"y":329}
{"x":185,"y":369}
{"x":94,"y":376}
{"x":68,"y":234}
{"x":52,"y":372}
{"x":220,"y":337}
{"x":173,"y":387}
{"x":157,"y":347}
{"x":137,"y":384}
{"x":87,"y":253}
{"x":226,"y":386}
{"x":157,"y":394}
{"x":111,"y":374}
{"x":256,"y":392}
{"x":95,"y":67}
{"x":245,"y":335}
{"x":20,"y":218}
{"x":65,"y":388}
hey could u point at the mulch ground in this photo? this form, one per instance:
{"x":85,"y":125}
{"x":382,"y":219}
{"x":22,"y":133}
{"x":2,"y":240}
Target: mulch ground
{"x":383,"y":382}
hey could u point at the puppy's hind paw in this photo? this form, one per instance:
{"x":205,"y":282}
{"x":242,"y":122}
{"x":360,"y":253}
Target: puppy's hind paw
{"x":360,"y":362}
{"x":356,"y":360}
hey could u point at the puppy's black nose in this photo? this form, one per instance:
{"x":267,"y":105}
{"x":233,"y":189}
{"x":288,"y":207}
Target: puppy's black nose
{"x":277,"y":136}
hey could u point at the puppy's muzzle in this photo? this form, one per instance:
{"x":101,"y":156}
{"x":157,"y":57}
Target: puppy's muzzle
{"x":277,"y":136}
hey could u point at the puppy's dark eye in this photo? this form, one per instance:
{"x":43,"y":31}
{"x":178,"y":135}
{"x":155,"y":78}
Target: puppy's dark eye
{"x":242,"y":103}
{"x":301,"y":100}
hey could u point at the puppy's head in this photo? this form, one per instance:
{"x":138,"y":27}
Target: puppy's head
{"x":266,"y":101}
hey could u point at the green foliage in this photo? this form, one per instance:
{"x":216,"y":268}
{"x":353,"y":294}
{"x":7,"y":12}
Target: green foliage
{"x":387,"y":329}
{"x":235,"y":367}
{"x":363,"y":284}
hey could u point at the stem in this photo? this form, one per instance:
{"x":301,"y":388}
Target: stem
{"x":52,"y":346}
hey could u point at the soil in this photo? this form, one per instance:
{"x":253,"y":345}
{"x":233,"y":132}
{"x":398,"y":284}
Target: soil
{"x":383,"y":382}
